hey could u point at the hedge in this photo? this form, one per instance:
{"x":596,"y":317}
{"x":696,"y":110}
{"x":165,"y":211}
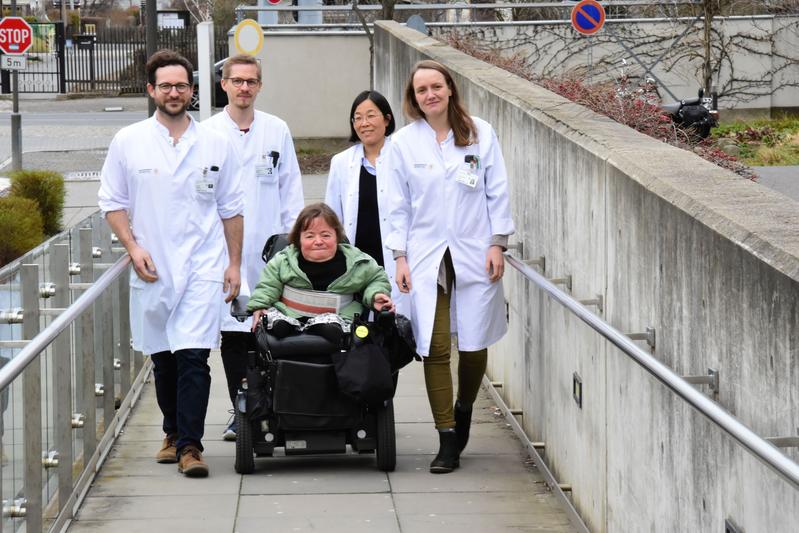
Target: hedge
{"x":46,"y":188}
{"x":21,"y":227}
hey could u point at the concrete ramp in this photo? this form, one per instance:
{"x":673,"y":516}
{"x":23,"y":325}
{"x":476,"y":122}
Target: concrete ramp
{"x":497,"y":489}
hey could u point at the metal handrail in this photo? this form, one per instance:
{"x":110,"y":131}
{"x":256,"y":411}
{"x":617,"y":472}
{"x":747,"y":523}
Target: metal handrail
{"x":14,"y":368}
{"x":763,"y":450}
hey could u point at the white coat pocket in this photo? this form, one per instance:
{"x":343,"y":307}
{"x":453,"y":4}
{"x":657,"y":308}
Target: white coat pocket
{"x":469,"y":178}
{"x":204,"y":182}
{"x":265,"y":173}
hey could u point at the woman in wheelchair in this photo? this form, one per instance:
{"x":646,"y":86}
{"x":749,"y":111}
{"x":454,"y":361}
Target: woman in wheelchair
{"x":318,"y":282}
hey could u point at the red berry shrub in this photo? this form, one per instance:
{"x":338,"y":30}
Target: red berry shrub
{"x":632,"y":104}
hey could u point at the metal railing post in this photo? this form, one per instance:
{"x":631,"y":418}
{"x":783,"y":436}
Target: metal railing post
{"x":89,"y":402}
{"x":107,"y":357}
{"x":123,"y":314}
{"x":32,"y":403}
{"x":62,"y":363}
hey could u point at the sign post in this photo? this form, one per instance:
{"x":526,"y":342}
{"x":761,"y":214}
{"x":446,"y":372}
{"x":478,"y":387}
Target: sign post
{"x":16,"y":36}
{"x":588,"y":17}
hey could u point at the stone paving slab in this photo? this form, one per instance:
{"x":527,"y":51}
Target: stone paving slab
{"x":333,"y":474}
{"x":328,"y":513}
{"x":498,"y":511}
{"x":145,"y":525}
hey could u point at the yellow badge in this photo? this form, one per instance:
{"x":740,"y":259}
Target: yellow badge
{"x":361,"y":332}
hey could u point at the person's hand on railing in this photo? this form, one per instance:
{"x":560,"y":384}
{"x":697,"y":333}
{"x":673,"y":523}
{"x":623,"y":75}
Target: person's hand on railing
{"x":495,"y":263}
{"x":143,"y":264}
{"x":402,"y":275}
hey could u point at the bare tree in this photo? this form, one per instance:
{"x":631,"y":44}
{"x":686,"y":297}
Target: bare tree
{"x":200,"y":10}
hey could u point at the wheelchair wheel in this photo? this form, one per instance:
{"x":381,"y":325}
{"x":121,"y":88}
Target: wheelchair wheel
{"x":386,"y":438}
{"x":245,"y":458}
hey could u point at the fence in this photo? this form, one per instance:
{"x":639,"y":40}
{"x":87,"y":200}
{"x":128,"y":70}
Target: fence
{"x":112,"y":59}
{"x":69,"y":377}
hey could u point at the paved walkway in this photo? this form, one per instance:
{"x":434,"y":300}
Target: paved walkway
{"x":495,"y":490}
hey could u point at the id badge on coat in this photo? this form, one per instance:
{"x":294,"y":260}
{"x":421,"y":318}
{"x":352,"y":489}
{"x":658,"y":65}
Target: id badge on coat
{"x":467,"y":178}
{"x":205,"y":184}
{"x":265,"y":173}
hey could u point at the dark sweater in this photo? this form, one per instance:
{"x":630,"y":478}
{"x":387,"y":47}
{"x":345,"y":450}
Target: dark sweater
{"x":321,"y":275}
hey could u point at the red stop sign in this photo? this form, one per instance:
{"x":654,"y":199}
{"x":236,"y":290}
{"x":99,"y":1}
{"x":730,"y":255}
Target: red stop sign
{"x":16,"y":35}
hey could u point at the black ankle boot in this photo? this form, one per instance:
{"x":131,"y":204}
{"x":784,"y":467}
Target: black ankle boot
{"x":448,"y":458}
{"x":463,"y":421}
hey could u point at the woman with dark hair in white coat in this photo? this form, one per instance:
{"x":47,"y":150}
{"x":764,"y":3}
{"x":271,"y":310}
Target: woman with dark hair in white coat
{"x":357,"y":190}
{"x":450,"y":221}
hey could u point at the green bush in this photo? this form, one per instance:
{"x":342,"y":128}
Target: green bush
{"x":21,"y":227}
{"x":47,"y":189}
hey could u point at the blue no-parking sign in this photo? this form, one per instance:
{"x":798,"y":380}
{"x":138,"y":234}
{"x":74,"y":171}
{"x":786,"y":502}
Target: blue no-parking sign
{"x":588,"y":17}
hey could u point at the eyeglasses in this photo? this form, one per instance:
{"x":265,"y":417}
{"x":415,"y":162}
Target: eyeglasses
{"x":370,"y":118}
{"x":238,"y":82}
{"x":166,"y":88}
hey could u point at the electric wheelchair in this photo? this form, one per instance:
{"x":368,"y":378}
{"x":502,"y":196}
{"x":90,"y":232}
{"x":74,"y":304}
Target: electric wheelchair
{"x":294,"y":396}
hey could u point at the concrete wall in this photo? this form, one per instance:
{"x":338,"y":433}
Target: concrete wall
{"x":755,"y":58}
{"x":671,"y":242}
{"x":311,"y":79}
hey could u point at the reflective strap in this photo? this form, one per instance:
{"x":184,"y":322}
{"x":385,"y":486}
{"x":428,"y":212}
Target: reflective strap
{"x":310,"y":302}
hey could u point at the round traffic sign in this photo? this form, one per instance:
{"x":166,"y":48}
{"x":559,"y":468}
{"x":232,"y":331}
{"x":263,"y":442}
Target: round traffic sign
{"x":16,"y":35}
{"x":274,"y":2}
{"x":588,"y":17}
{"x":248,"y":37}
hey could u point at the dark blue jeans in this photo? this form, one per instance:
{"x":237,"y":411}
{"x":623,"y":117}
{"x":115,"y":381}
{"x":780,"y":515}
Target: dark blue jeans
{"x":182,"y":387}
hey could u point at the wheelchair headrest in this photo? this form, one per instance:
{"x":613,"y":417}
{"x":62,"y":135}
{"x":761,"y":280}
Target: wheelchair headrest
{"x":273,"y":245}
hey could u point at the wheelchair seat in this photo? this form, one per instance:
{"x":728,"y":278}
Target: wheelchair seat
{"x":303,"y":347}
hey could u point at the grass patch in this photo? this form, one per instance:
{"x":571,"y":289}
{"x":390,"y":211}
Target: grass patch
{"x":763,"y":142}
{"x":314,"y":155}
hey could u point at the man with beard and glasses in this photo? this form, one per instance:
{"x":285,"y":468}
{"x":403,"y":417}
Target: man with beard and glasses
{"x":270,"y":176}
{"x":170,"y":191}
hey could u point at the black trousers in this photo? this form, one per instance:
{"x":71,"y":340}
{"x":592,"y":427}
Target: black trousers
{"x":235,"y":345}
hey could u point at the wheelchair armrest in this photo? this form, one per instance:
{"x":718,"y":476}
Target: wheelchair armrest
{"x":238,"y":308}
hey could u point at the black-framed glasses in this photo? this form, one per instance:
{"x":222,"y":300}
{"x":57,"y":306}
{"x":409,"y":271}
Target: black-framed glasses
{"x":166,"y":88}
{"x":238,"y":82}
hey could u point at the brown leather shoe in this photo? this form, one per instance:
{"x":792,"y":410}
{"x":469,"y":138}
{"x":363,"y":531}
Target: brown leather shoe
{"x":168,"y":453}
{"x":191,"y":462}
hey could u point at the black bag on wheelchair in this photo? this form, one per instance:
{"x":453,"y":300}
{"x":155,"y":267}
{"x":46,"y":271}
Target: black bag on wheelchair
{"x":364,"y":372}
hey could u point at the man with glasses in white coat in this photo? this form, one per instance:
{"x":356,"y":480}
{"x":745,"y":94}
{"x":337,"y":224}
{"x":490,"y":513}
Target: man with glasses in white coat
{"x":272,"y":196}
{"x":170,"y":192}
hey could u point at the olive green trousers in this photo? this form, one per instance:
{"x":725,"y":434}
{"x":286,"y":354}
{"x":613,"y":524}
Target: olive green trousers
{"x":437,"y":372}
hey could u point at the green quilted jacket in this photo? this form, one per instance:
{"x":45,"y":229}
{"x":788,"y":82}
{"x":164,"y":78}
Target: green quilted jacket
{"x":363,"y":276}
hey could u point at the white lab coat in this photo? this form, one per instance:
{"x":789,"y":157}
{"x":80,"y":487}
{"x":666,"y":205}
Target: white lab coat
{"x":432,"y":211}
{"x":343,"y":194}
{"x":176,"y":198}
{"x":272,"y":196}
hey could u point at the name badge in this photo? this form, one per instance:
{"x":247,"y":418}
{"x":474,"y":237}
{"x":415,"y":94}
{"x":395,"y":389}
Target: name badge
{"x":263,"y":171}
{"x":467,"y":178}
{"x":204,"y":186}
